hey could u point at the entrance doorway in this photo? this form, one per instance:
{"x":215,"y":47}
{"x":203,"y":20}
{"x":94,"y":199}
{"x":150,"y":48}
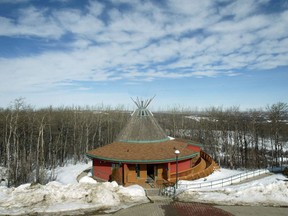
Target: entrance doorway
{"x":150,"y":172}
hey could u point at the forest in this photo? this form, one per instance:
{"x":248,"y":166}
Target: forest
{"x":35,"y":141}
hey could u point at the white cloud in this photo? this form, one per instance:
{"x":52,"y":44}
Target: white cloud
{"x":188,"y":7}
{"x":81,"y":43}
{"x":45,"y":71}
{"x":241,"y":9}
{"x":31,"y":22}
{"x":247,"y":25}
{"x":95,"y":8}
{"x":144,"y":42}
{"x":276,"y":28}
{"x":75,"y":22}
{"x":174,"y":75}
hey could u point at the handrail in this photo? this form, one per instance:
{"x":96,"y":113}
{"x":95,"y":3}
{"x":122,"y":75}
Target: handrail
{"x":223,"y":182}
{"x":205,"y":166}
{"x":181,"y":175}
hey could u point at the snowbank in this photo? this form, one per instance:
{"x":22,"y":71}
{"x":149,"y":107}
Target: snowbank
{"x":269,"y":191}
{"x":87,"y":179}
{"x":55,"y":197}
{"x":65,"y":194}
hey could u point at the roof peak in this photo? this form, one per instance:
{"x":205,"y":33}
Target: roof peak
{"x":142,"y":126}
{"x":142,"y":104}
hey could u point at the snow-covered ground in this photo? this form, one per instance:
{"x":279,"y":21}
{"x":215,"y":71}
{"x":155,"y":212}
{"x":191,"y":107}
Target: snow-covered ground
{"x":269,"y":191}
{"x":66,"y":194}
{"x":69,"y":173}
{"x":217,"y":174}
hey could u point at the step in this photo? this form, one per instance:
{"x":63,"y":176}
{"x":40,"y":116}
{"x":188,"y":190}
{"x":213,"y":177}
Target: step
{"x":159,"y":198}
{"x":152,"y":192}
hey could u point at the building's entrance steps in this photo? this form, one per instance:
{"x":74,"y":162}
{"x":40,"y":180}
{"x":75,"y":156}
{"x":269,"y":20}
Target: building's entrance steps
{"x":152,"y":192}
{"x":154,"y":195}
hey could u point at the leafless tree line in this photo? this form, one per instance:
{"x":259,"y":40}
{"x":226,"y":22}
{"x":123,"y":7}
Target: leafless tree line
{"x":235,"y":139}
{"x":35,"y":141}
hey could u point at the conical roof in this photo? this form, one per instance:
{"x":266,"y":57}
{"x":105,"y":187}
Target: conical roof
{"x":142,"y":127}
{"x":142,"y":140}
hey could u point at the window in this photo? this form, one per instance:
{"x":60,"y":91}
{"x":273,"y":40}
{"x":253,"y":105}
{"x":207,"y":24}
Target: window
{"x":137,"y":170}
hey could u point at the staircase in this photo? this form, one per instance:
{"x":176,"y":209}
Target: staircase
{"x":205,"y":166}
{"x":154,"y":195}
{"x":152,"y":192}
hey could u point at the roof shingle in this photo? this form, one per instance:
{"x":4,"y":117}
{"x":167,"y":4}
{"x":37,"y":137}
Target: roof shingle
{"x":145,"y":152}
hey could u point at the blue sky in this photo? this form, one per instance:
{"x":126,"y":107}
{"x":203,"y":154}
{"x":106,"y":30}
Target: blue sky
{"x":189,"y":53}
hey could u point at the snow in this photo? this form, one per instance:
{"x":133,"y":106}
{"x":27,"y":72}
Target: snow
{"x":67,"y":195}
{"x":68,"y":173}
{"x":217,"y":174}
{"x":223,"y":177}
{"x":87,"y":179}
{"x":197,"y":118}
{"x":133,"y":192}
{"x":269,"y":191}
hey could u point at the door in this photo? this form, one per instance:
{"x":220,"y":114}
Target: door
{"x":150,"y":172}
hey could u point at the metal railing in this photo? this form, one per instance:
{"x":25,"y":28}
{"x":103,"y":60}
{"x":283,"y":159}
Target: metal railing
{"x":223,"y":182}
{"x":171,"y":190}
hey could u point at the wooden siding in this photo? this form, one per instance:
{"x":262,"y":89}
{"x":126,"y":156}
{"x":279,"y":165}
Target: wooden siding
{"x":204,"y":166}
{"x":102,"y":169}
{"x":182,"y":165}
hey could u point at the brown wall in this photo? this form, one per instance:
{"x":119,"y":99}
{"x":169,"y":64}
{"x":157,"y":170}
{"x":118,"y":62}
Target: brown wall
{"x":131,"y":173}
{"x":167,"y":171}
{"x":143,"y":172}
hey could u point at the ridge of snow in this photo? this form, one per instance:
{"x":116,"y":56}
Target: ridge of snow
{"x":66,"y":194}
{"x":55,"y":197}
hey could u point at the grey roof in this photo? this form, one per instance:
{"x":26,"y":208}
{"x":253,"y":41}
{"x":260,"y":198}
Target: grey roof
{"x":142,"y":127}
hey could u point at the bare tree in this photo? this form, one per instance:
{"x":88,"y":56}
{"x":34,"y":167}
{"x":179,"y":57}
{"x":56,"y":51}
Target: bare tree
{"x":33,"y":141}
{"x":277,"y":116}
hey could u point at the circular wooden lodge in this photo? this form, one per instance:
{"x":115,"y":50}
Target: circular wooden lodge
{"x":143,"y":154}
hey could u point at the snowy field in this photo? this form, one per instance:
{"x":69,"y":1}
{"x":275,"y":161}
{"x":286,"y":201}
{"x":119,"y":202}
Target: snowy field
{"x":66,"y":194}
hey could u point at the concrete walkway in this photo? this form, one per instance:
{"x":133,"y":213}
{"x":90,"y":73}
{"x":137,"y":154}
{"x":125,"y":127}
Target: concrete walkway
{"x":255,"y":210}
{"x":170,"y":208}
